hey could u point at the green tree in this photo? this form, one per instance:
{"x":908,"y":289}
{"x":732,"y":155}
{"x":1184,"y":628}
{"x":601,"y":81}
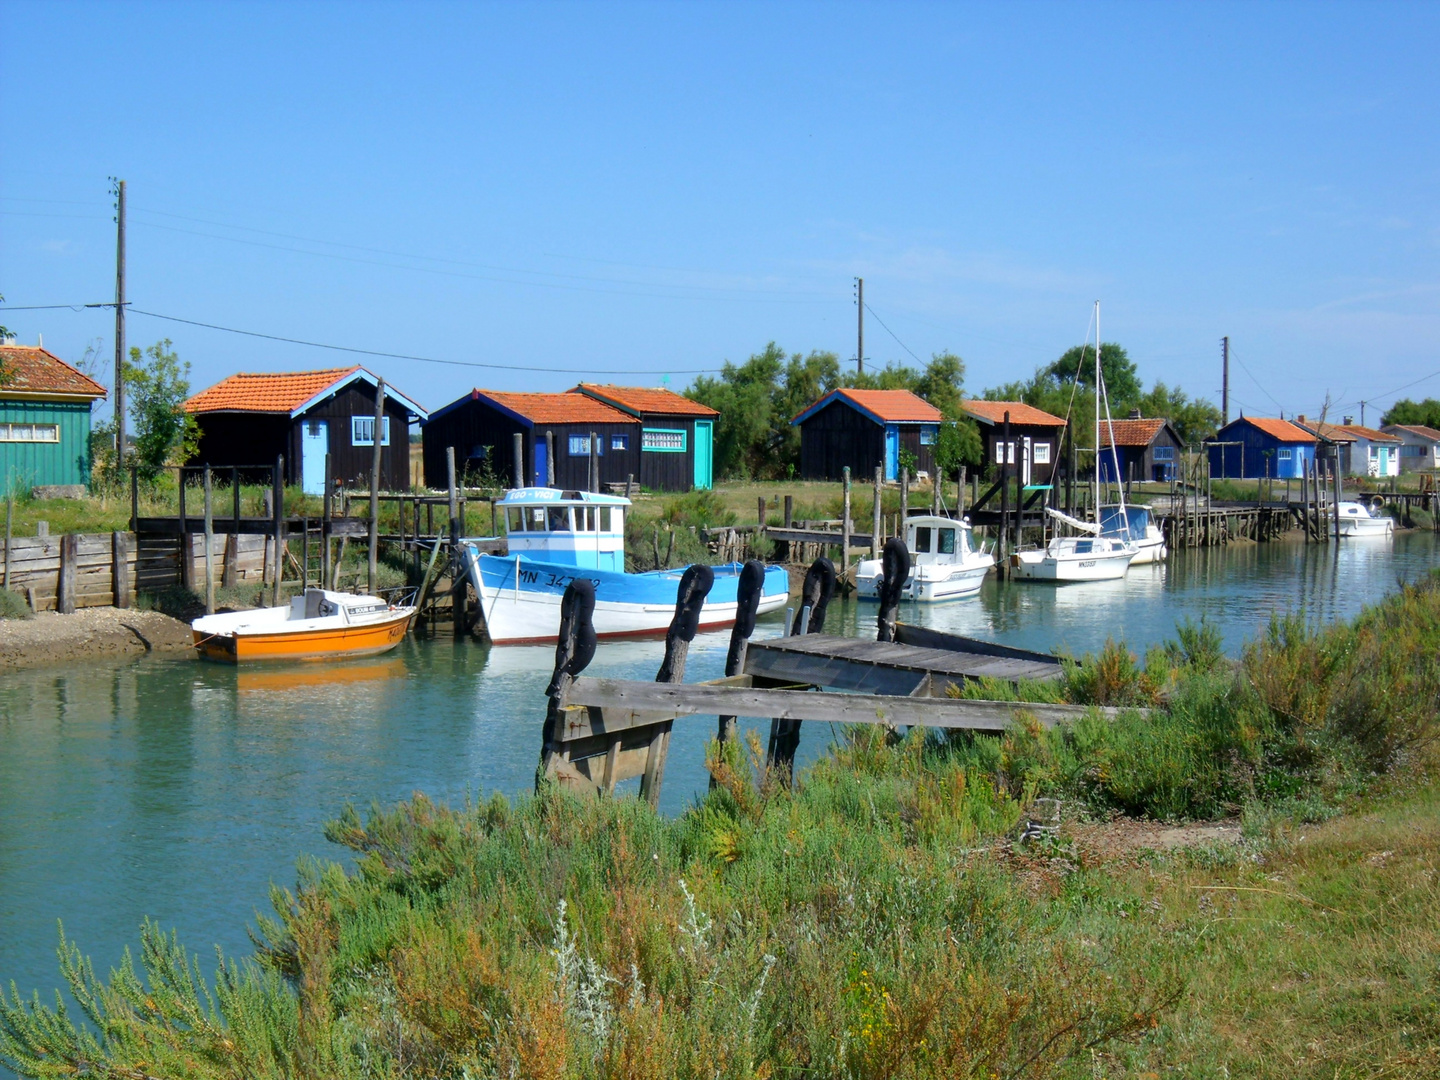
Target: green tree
{"x":744,"y":395}
{"x":157,"y":385}
{"x":1425,"y":413}
{"x":1121,"y":381}
{"x":1194,"y":419}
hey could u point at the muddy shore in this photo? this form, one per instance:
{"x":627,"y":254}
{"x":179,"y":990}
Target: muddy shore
{"x":49,"y":638}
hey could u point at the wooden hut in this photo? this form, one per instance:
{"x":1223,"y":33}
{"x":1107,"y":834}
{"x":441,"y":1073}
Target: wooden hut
{"x":1363,"y":450}
{"x":482,"y":426}
{"x":1148,"y":449}
{"x":1035,"y":435}
{"x":250,"y":419}
{"x":677,"y":435}
{"x":44,"y":420}
{"x":866,"y":428}
{"x":1252,"y":447}
{"x":1419,"y":446}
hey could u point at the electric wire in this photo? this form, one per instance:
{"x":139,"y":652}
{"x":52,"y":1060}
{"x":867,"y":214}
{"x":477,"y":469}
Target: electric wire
{"x":893,"y":335}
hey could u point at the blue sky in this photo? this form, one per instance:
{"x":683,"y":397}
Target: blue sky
{"x":642,"y":191}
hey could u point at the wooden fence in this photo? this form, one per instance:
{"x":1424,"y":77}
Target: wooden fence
{"x":79,"y":570}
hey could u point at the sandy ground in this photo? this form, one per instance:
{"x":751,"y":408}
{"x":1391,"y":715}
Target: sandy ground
{"x":49,"y":638}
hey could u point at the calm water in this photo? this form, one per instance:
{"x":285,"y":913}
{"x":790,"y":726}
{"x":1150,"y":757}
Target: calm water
{"x":180,"y":790}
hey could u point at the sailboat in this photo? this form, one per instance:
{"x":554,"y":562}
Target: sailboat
{"x":1095,"y":557}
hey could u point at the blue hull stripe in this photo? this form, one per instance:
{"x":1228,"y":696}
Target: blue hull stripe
{"x":655,"y":588}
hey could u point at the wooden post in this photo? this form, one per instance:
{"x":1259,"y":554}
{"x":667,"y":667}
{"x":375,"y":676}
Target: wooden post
{"x":209,"y":542}
{"x":1005,"y":490}
{"x":329,"y":512}
{"x":120,"y":569}
{"x":815,"y":596}
{"x":134,"y":497}
{"x":789,"y":511}
{"x":574,"y":650}
{"x":550,"y":459}
{"x":594,"y":484}
{"x":629,"y":485}
{"x":278,"y":526}
{"x":695,"y":585}
{"x":518,"y":451}
{"x":904,"y":501}
{"x":1070,"y":474}
{"x":845,"y":525}
{"x":187,"y":553}
{"x":875,"y":527}
{"x":458,"y":594}
{"x":895,"y":568}
{"x":376,"y":460}
{"x":9,"y":524}
{"x":235,"y":493}
{"x":748,"y":591}
{"x":65,"y":586}
{"x":960,"y":494}
{"x":1335,"y":485}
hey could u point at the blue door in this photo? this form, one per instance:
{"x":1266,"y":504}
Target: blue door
{"x":892,"y":452}
{"x":541,"y":463}
{"x":314,"y":445}
{"x":704,"y":454}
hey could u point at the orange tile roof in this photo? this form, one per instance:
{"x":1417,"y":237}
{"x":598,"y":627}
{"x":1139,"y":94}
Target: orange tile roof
{"x":1134,"y":432}
{"x":567,"y":408}
{"x":1348,"y":432}
{"x":1418,"y":429}
{"x":34,"y":370}
{"x":282,"y":392}
{"x":1282,"y":430}
{"x":1020,"y":413}
{"x":894,"y":406}
{"x":644,"y":399}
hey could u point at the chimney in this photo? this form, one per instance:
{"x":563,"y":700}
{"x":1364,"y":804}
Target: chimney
{"x":1135,"y":414}
{"x":1300,"y":417}
{"x":1349,"y":420}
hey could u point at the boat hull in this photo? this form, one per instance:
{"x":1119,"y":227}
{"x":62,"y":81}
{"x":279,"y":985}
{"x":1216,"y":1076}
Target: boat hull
{"x":1151,"y":548}
{"x":926,"y":583}
{"x":329,"y":643}
{"x":520,"y":598}
{"x":1038,"y":566}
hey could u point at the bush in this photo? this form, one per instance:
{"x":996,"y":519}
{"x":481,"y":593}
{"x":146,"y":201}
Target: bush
{"x":13,"y":605}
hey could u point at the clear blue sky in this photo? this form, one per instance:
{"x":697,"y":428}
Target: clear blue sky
{"x":655,"y":189}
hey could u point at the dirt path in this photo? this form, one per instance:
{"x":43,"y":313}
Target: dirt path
{"x":49,"y":638}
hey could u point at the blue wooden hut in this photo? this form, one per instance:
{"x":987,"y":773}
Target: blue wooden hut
{"x":1258,"y":446}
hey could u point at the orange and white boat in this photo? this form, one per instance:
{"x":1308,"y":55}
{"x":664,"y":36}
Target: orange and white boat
{"x":318,"y":625}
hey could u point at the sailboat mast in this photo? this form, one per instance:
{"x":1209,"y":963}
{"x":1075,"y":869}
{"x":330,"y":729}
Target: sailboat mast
{"x":1096,"y":501}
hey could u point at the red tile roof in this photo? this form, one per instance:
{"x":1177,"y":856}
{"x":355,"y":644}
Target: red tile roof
{"x":894,"y":406}
{"x":644,"y":399}
{"x":282,"y":392}
{"x":567,"y":408}
{"x":33,"y":370}
{"x":1020,"y":413}
{"x":1283,"y":430}
{"x":1418,"y":429}
{"x":1350,"y":432}
{"x":1134,"y":432}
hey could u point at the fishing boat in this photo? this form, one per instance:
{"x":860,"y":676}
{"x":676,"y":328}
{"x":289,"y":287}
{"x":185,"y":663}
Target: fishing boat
{"x":1126,"y":521}
{"x":1357,"y":521}
{"x":1084,"y":558}
{"x":317,"y":625}
{"x":945,"y":563}
{"x":557,"y":536}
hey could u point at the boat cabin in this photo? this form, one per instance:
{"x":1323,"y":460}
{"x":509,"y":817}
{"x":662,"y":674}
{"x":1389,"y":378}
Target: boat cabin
{"x":937,"y":539}
{"x":576,"y":528}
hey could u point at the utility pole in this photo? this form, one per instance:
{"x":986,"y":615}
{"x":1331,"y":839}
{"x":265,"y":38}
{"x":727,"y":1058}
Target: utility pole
{"x":860,"y":333}
{"x":1362,"y":414}
{"x":1225,"y":381}
{"x":119,"y":401}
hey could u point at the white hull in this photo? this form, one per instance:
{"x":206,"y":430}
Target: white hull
{"x":1367,"y":527}
{"x":1150,"y":549}
{"x":925,"y":583}
{"x":1060,"y":562}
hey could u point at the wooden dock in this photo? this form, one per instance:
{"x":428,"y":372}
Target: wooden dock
{"x":599,"y":732}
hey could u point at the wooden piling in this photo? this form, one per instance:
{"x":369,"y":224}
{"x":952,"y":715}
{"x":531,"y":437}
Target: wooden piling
{"x":550,"y":459}
{"x":790,"y":510}
{"x":894,"y":568}
{"x":209,"y":541}
{"x":845,"y":524}
{"x":960,"y":494}
{"x":65,"y":587}
{"x":1004,"y":495}
{"x":278,"y":525}
{"x":875,"y":513}
{"x":904,"y":500}
{"x":594,"y":470}
{"x":815,"y":596}
{"x":695,"y":585}
{"x":9,"y":528}
{"x":376,"y":459}
{"x":747,"y":604}
{"x":574,"y":649}
{"x":187,"y":552}
{"x":120,"y":569}
{"x":458,"y":593}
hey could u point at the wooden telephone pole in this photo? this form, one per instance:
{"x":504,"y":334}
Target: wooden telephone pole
{"x":119,"y":402}
{"x":860,"y":326}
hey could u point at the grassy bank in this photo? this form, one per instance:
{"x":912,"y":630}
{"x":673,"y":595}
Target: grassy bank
{"x":879,"y":918}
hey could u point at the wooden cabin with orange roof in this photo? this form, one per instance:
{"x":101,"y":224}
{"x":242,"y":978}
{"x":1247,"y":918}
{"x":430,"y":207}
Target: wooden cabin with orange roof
{"x":1035,"y":436}
{"x":250,"y":419}
{"x":1255,"y":447}
{"x":677,"y":435}
{"x":45,"y":408}
{"x":865,"y":428}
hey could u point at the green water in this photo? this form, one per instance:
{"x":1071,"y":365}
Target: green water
{"x":180,"y":789}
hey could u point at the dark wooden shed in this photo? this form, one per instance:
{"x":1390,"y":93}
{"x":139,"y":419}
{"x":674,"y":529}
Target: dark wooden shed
{"x":1035,"y":435}
{"x":865,"y":428}
{"x":1148,"y":449}
{"x":1261,"y":446}
{"x":250,"y":419}
{"x":482,"y":426}
{"x":677,"y":435}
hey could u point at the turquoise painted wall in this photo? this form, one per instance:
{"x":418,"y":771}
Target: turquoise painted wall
{"x":26,"y":465}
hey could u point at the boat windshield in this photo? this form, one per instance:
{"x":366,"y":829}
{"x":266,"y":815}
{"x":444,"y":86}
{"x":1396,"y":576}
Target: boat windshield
{"x":922,"y":539}
{"x":947,"y":542}
{"x":588,"y":519}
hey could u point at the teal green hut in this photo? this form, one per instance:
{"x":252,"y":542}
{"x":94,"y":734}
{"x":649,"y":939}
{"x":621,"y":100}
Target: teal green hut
{"x":44,"y":419}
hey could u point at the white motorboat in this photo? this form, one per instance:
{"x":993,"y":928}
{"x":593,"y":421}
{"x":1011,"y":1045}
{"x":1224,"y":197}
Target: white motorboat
{"x":945,"y":563}
{"x":556,"y":536}
{"x":1356,"y":520}
{"x":317,"y":625}
{"x":1074,"y":558}
{"x":1127,"y":521}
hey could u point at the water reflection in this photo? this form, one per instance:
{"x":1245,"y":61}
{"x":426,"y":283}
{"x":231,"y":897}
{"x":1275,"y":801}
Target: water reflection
{"x":182,"y":789}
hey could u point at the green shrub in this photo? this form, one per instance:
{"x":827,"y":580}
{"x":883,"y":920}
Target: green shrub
{"x":13,"y":605}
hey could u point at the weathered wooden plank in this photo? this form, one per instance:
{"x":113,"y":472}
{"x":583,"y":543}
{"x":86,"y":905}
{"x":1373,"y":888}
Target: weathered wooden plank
{"x":924,"y":637}
{"x":817,"y":536}
{"x":833,"y":672}
{"x":623,"y":702}
{"x":849,"y":663}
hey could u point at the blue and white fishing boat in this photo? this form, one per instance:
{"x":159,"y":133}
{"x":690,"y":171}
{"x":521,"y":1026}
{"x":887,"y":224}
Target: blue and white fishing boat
{"x":556,"y":536}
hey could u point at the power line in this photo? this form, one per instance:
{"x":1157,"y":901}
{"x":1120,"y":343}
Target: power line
{"x":404,"y":356}
{"x":892,"y":334}
{"x":51,"y":307}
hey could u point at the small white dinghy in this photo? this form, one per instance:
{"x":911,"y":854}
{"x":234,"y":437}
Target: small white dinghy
{"x":945,"y":564}
{"x":1356,"y":520}
{"x":317,"y":625}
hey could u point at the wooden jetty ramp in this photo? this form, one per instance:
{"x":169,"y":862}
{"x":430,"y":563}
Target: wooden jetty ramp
{"x":599,"y":732}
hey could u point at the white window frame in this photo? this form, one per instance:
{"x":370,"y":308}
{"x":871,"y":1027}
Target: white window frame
{"x":1000,"y":445}
{"x":1283,"y":454}
{"x":362,"y":431}
{"x":664,"y":440}
{"x":619,"y":441}
{"x":928,"y":434}
{"x":1040,"y":452}
{"x":32,"y":433}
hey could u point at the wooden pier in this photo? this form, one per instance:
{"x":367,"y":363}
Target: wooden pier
{"x":600,"y":732}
